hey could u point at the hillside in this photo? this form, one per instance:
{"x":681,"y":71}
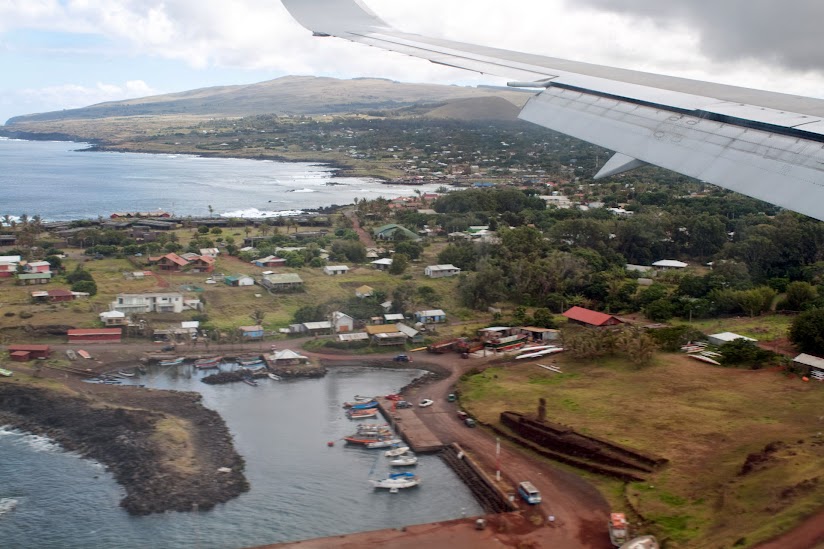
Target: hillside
{"x":295,"y":95}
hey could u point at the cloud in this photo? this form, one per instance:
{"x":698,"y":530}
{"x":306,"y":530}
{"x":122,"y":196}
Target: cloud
{"x":69,"y":96}
{"x":781,"y":33}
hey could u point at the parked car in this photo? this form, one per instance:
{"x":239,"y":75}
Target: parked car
{"x":402,"y":358}
{"x":470,"y":422}
{"x":462,"y":415}
{"x":403,"y":404}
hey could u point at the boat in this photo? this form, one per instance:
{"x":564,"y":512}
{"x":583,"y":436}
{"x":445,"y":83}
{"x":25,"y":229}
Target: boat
{"x":706,"y":359}
{"x":208,"y":363}
{"x":394,"y":452}
{"x":426,"y":403}
{"x":397,"y":481}
{"x":71,"y":354}
{"x":361,"y":398}
{"x":249,"y":381}
{"x":274,"y":376}
{"x":84,"y":354}
{"x":384,"y":443}
{"x":537,"y":354}
{"x":507,"y":343}
{"x":125,"y":374}
{"x":6,"y":373}
{"x":394,"y":397}
{"x":642,"y":542}
{"x":361,"y":405}
{"x":251,"y":362}
{"x":375,"y":428}
{"x":618,"y":529}
{"x":403,"y":461}
{"x":174,"y":362}
{"x":362,"y":414}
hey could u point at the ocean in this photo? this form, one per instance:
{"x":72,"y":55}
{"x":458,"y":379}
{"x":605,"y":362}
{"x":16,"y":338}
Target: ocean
{"x":300,"y":487}
{"x":60,"y":181}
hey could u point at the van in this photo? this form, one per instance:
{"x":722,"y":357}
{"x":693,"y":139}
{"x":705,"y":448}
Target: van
{"x":530,"y":494}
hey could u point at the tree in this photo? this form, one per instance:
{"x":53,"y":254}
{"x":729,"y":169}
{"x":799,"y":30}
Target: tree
{"x":85,"y":286}
{"x":542,"y":318}
{"x":807,"y":331}
{"x":409,"y":248}
{"x":482,"y":289}
{"x":800,"y":296}
{"x":399,"y":264}
{"x":203,"y":229}
{"x":257,"y":317}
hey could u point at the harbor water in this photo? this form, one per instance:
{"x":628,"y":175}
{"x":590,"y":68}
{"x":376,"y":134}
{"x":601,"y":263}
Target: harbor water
{"x":300,"y":487}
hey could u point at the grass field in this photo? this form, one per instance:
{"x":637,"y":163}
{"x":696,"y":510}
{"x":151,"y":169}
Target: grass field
{"x":706,"y":420}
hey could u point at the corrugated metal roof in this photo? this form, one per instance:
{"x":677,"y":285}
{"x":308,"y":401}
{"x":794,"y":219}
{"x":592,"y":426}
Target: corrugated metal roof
{"x":810,"y":360}
{"x":95,"y":331}
{"x":588,"y":316}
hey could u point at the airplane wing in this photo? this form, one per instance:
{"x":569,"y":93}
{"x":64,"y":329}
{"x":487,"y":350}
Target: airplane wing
{"x":762,"y":144}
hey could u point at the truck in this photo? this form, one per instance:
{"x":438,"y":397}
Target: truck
{"x":441,"y":347}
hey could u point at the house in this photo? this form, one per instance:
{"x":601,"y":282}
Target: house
{"x":210,"y":252}
{"x":238,"y":280}
{"x":383,"y":264}
{"x":95,"y":335}
{"x":333,"y":270}
{"x":148,"y":303}
{"x":54,"y":296}
{"x":440,"y":271}
{"x":317,"y":328}
{"x":202,"y":264}
{"x":191,"y":326}
{"x":364,"y":291}
{"x":8,"y":240}
{"x":389,"y":338}
{"x":587,"y":317}
{"x":282,"y":282}
{"x":342,"y":322}
{"x":666,"y":264}
{"x":251,"y":332}
{"x":169,"y":262}
{"x":269,"y":262}
{"x":814,"y":365}
{"x":393,"y":317}
{"x":411,"y":333}
{"x":37,"y":267}
{"x":541,"y":334}
{"x":353,"y":337}
{"x":24,"y":353}
{"x":113,"y":318}
{"x":391,"y":232}
{"x":8,"y":265}
{"x":33,"y":278}
{"x":287,"y":357}
{"x":727,"y":337}
{"x":432,"y":316}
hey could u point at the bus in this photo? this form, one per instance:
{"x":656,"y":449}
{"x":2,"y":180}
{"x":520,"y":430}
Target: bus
{"x":530,"y":494}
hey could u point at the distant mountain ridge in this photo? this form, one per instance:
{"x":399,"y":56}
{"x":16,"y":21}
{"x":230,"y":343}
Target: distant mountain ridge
{"x":297,"y":95}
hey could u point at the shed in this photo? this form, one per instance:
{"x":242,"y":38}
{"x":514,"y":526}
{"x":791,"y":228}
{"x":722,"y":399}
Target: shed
{"x":389,"y":338}
{"x":287,"y":357}
{"x":440,"y":271}
{"x":670,"y":264}
{"x":20,"y":356}
{"x":342,"y":322}
{"x":316,"y":328}
{"x":238,"y":280}
{"x":333,"y":270}
{"x":541,"y":334}
{"x":282,"y":282}
{"x":814,"y":364}
{"x":251,"y":332}
{"x":393,"y":317}
{"x":34,"y":351}
{"x":727,"y":337}
{"x":95,"y":335}
{"x":354,"y":336}
{"x":364,"y":291}
{"x":414,"y":335}
{"x":383,"y":264}
{"x":33,"y":278}
{"x":587,"y":317}
{"x":431,"y":316}
{"x":113,"y":318}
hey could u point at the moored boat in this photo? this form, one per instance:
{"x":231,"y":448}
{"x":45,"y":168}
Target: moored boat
{"x":251,"y":362}
{"x":125,"y":374}
{"x":403,"y":461}
{"x":397,"y":481}
{"x":274,"y":376}
{"x":361,"y":405}
{"x":208,"y":363}
{"x":384,"y":443}
{"x":6,"y":373}
{"x":361,"y":398}
{"x":362,"y":414}
{"x":71,"y":354}
{"x":174,"y":362}
{"x":250,"y":381}
{"x":84,"y":354}
{"x":394,"y":452}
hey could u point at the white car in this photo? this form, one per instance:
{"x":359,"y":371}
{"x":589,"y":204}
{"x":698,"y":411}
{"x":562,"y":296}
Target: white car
{"x":426,"y":402}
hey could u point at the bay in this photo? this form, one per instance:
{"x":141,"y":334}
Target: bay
{"x":300,"y":487}
{"x":59,"y":181}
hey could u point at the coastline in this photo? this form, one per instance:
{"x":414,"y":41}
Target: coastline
{"x":136,"y":434}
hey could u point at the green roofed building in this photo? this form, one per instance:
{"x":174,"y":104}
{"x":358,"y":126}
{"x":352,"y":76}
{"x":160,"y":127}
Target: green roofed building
{"x":390,"y":232}
{"x":282,"y":282}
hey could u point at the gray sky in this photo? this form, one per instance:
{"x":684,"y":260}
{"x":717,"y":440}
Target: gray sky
{"x":57,"y":54}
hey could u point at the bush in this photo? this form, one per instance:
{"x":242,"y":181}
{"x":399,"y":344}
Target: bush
{"x":26,"y":314}
{"x":85,"y":286}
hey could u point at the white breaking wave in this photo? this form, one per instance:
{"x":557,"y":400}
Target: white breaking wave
{"x":35,"y":442}
{"x":7,"y":505}
{"x":302,"y":191}
{"x":254,"y":213}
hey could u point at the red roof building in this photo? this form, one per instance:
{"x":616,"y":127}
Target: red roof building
{"x":203,"y":264}
{"x":95,"y":335}
{"x":31,"y":351}
{"x":587,"y":317}
{"x":171,"y":262}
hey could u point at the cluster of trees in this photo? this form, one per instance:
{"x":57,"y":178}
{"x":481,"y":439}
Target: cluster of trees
{"x":82,"y":280}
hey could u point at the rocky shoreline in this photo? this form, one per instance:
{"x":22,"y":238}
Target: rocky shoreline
{"x":168,"y":451}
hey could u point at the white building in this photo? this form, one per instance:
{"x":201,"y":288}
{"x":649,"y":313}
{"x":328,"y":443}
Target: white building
{"x":727,"y":337}
{"x":342,"y":322}
{"x":440,"y":271}
{"x":210,"y":252}
{"x":383,"y":264}
{"x":559,"y":201}
{"x":113,"y":318}
{"x":333,"y":270}
{"x":148,"y":303}
{"x":670,"y":264}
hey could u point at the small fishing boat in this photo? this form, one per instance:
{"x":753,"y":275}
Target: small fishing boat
{"x":251,"y":362}
{"x":361,"y":398}
{"x":125,"y":374}
{"x":84,"y":354}
{"x":403,"y":461}
{"x":71,"y":354}
{"x":374,"y":428}
{"x":274,"y":376}
{"x":394,"y":452}
{"x":394,"y":397}
{"x":362,"y":414}
{"x":425,"y":403}
{"x":384,"y":443}
{"x":397,"y":481}
{"x":706,"y":359}
{"x":174,"y":362}
{"x":6,"y":373}
{"x":208,"y":363}
{"x":250,"y":381}
{"x":361,"y":405}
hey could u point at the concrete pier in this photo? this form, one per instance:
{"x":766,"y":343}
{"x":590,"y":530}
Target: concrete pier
{"x":410,"y":428}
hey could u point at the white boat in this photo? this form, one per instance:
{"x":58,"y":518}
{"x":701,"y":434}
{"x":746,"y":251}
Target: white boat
{"x":386,"y":443}
{"x":394,"y":452}
{"x":403,"y":461}
{"x":125,"y":374}
{"x":397,"y":481}
{"x":540,"y":353}
{"x":274,"y":376}
{"x":426,"y":402}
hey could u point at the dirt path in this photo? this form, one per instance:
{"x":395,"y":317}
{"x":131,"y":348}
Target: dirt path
{"x":365,"y":237}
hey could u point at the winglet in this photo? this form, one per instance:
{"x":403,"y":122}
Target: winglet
{"x":619,"y":163}
{"x":334,"y":17}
